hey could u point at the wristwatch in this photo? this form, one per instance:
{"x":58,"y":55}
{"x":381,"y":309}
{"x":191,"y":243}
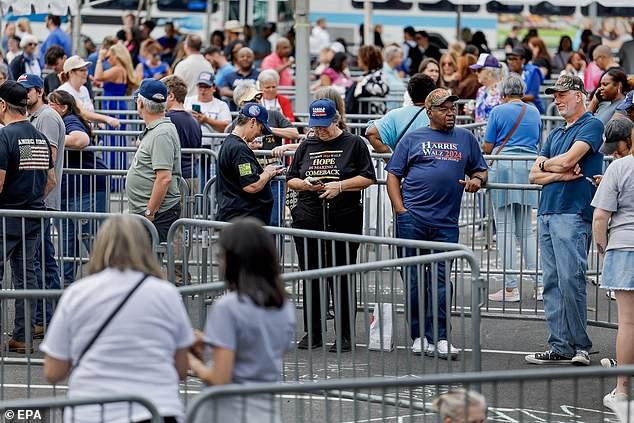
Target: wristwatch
{"x":541,"y":166}
{"x":481,"y":179}
{"x":148,"y":213}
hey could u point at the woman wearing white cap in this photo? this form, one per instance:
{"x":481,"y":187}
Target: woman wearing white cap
{"x":27,"y":61}
{"x":73,"y":78}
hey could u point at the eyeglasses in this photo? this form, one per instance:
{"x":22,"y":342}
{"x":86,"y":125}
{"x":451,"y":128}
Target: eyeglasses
{"x":31,"y":44}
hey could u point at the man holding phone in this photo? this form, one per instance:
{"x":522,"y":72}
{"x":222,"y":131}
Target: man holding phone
{"x":243,"y":187}
{"x":212,"y":114}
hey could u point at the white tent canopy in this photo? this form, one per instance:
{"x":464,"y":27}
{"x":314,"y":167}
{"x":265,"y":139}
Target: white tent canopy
{"x":25,"y":7}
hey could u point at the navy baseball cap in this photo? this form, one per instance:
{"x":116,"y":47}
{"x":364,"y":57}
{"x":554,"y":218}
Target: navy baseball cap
{"x":153,"y":90}
{"x":322,"y":112}
{"x":28,"y":81}
{"x":206,"y":78}
{"x":257,"y":111}
{"x":627,"y":102}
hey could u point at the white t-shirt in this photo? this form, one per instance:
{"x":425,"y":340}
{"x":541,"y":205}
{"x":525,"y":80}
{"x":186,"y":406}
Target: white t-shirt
{"x":616,"y":194}
{"x":190,"y":68}
{"x":215,"y":109}
{"x":134,"y":355}
{"x":82,"y":97}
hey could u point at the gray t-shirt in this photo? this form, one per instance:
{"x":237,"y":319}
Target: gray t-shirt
{"x":616,"y":194}
{"x":159,"y":150}
{"x":50,"y":123}
{"x":259,"y":336}
{"x":606,"y":110}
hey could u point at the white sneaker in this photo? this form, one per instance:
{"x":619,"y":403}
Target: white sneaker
{"x":612,"y":399}
{"x":419,"y":346}
{"x":512,"y":296}
{"x":443,"y":349}
{"x":608,"y":362}
{"x":540,"y":294}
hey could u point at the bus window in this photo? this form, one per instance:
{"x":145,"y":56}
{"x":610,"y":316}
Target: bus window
{"x":447,"y":6}
{"x":497,"y":7}
{"x":609,"y":11}
{"x":118,"y":4}
{"x":545,"y":8}
{"x":185,"y":5}
{"x":384,"y":5}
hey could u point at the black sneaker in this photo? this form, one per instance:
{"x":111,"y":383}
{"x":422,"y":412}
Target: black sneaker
{"x":547,"y":357}
{"x":581,"y":358}
{"x":314,"y":343}
{"x":343,"y":346}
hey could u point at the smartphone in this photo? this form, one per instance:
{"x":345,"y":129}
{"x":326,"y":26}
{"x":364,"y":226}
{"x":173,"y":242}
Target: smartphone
{"x":196,"y":108}
{"x":314,"y":181}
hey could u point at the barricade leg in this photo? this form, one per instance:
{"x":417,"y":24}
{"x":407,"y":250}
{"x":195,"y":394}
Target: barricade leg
{"x":50,"y":278}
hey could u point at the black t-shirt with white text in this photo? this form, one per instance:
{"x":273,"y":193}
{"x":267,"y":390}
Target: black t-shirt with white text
{"x":25,"y":155}
{"x":237,"y":168}
{"x":339,"y":159}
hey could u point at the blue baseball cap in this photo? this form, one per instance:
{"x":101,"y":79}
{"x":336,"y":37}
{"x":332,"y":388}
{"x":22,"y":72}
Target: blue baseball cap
{"x":206,"y":78}
{"x":322,"y":112}
{"x":28,"y":81}
{"x":153,"y":90}
{"x":627,"y":102}
{"x":486,"y":61}
{"x":257,"y":111}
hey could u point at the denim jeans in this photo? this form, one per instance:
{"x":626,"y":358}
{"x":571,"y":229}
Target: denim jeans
{"x":20,"y":251}
{"x":435,"y":299}
{"x":72,"y":233}
{"x":50,"y":278}
{"x":514,"y":223}
{"x":277,"y":215}
{"x":565,"y":239}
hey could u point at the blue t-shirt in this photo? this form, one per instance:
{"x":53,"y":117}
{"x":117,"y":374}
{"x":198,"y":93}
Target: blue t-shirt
{"x":573,"y":197}
{"x":395,"y":121}
{"x":56,"y":37}
{"x":430,"y":164}
{"x":190,"y":136}
{"x":502,"y":119}
{"x":533,"y":78}
{"x":232,"y":79}
{"x":149,"y":71}
{"x":222,"y":73}
{"x":72,"y":182}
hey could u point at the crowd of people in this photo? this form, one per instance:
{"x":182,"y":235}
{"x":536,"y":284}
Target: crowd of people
{"x":185,"y":90}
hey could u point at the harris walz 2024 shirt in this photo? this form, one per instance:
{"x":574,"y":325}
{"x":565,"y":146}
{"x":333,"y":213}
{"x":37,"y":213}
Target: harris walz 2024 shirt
{"x":339,"y":159}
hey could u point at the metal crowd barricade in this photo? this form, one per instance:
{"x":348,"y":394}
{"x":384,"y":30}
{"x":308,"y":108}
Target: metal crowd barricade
{"x":52,"y":410}
{"x":545,"y":395}
{"x":378,"y":277}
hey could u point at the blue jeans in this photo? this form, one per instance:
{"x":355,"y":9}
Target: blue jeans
{"x":434,"y":298}
{"x":51,"y":273}
{"x":72,"y":233}
{"x":277,"y":215}
{"x":514,"y":223}
{"x":565,"y":239}
{"x":20,"y":250}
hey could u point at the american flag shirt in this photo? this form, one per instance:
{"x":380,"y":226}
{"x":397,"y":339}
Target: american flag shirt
{"x":25,"y":156}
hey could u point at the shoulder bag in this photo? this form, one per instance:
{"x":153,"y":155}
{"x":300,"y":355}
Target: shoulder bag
{"x":511,"y":132}
{"x":108,"y":320}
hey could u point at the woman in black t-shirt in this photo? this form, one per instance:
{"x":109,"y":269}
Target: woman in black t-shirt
{"x":329,"y":171}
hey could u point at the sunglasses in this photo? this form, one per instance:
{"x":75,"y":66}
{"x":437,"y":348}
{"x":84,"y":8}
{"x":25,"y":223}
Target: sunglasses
{"x":31,"y":44}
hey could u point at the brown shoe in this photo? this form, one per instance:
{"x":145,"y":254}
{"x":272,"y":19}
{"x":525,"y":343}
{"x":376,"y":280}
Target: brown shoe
{"x":38,"y":332}
{"x":20,"y":347}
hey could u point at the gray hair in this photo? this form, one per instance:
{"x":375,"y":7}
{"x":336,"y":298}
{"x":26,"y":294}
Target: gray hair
{"x":269,"y":75}
{"x":453,"y":403}
{"x":152,"y":107}
{"x":391,"y":52}
{"x":243,"y":88}
{"x":512,"y":86}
